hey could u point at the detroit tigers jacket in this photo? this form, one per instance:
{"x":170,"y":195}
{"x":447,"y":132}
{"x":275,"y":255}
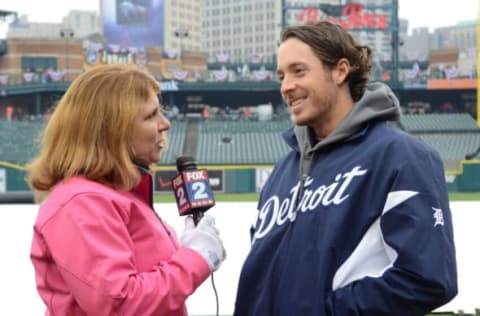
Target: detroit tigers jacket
{"x":355,"y":224}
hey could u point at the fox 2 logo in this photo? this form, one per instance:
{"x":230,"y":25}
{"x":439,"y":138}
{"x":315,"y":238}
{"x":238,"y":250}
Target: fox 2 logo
{"x":192,"y":191}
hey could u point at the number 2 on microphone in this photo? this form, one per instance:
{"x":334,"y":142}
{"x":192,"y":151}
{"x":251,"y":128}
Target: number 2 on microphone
{"x":181,"y":196}
{"x":199,"y":191}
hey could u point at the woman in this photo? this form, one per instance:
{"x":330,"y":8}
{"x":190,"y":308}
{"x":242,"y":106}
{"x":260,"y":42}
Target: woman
{"x":98,"y":247}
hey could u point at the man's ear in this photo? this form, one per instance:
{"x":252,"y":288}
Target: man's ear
{"x":341,"y":71}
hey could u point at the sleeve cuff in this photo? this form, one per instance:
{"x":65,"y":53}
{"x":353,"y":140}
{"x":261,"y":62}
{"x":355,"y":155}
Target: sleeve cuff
{"x":196,"y":264}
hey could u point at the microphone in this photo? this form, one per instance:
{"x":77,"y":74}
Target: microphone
{"x":192,"y":189}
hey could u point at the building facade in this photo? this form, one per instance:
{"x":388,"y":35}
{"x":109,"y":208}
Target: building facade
{"x":461,"y":38}
{"x":240,"y":30}
{"x":182,"y":25}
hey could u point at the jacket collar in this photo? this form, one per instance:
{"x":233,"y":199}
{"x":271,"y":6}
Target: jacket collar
{"x":144,"y":189}
{"x":291,"y":137}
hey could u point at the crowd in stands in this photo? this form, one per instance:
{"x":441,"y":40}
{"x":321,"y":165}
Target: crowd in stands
{"x":227,"y":113}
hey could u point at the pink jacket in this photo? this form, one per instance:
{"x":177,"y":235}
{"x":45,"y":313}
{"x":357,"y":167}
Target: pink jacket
{"x":98,"y":251}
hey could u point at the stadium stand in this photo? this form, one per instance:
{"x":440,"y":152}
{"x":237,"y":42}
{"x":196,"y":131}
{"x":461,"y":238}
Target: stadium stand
{"x":452,"y":147}
{"x":459,"y":122}
{"x":241,"y":142}
{"x":176,"y":140}
{"x":474,"y":155}
{"x":455,"y":136}
{"x":18,"y":140}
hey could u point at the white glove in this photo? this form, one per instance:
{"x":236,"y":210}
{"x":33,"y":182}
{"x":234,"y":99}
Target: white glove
{"x":204,"y":239}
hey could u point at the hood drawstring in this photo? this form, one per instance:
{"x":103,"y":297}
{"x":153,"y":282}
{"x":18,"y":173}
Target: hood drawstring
{"x":305,"y":165}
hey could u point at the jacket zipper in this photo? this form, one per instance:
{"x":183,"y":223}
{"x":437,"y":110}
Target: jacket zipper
{"x":301,"y":186}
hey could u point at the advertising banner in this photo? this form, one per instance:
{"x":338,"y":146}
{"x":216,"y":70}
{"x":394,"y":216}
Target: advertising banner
{"x":133,"y":23}
{"x":350,"y":16}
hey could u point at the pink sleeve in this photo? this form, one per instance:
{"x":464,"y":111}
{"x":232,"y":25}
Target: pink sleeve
{"x":92,"y":248}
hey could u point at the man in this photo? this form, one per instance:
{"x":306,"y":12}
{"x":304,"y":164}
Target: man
{"x":355,"y":219}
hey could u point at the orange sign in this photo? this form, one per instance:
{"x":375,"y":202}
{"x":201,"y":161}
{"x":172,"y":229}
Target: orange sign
{"x":446,"y":84}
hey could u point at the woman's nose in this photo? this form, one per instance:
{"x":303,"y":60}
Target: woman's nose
{"x":164,"y":123}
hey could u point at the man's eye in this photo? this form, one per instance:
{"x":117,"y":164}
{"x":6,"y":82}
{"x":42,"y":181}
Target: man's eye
{"x":299,"y":71}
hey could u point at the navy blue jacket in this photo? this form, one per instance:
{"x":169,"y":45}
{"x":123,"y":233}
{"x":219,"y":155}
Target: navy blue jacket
{"x":365,"y":229}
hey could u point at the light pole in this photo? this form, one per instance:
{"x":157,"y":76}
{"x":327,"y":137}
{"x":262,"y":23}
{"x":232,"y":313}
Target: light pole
{"x":395,"y":43}
{"x":67,"y":34}
{"x":181,"y":33}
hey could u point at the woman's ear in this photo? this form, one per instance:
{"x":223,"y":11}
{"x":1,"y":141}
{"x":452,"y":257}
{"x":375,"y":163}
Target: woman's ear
{"x":341,"y":71}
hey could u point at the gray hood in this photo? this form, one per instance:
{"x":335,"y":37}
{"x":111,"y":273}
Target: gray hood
{"x":377,"y":104}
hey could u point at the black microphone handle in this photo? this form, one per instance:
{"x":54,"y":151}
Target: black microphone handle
{"x":197,"y":216}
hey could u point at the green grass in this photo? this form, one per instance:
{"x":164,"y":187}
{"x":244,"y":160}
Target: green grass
{"x":219,"y":197}
{"x":253,"y":197}
{"x":464,"y":196}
